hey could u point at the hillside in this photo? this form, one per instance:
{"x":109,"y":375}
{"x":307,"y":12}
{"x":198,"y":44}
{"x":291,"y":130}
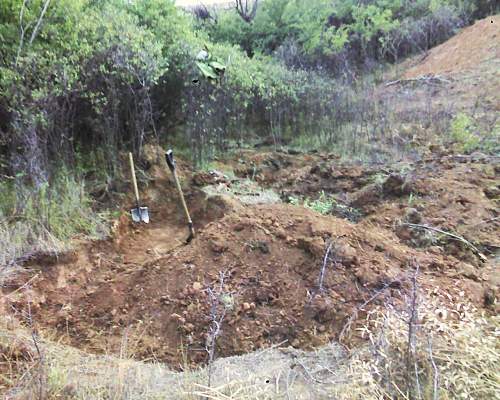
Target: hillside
{"x":346,"y":210}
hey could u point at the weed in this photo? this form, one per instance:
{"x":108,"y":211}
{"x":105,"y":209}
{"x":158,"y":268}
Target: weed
{"x":45,"y":218}
{"x":462,"y":132}
{"x":326,"y":204}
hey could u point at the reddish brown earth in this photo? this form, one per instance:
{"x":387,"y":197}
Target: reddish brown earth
{"x":473,"y":46}
{"x":145,"y":293}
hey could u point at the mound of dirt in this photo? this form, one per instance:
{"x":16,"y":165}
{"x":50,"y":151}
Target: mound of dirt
{"x":145,"y":294}
{"x":474,"y":45}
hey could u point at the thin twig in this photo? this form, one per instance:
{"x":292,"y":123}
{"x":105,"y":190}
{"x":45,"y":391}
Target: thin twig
{"x":452,"y":235}
{"x":422,"y":78}
{"x":412,"y":325}
{"x":39,"y":22}
{"x":356,"y":312}
{"x":217,"y":315}
{"x":435,"y":382}
{"x":22,"y":32}
{"x":323,"y":268}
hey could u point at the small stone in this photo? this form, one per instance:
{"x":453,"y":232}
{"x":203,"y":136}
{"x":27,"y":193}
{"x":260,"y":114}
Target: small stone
{"x":197,"y":286}
{"x":246,"y":306}
{"x":177,"y":317}
{"x":218,"y":246}
{"x":413,"y":216}
{"x":468,"y":271}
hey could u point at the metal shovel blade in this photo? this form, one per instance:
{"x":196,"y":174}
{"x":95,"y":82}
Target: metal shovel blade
{"x":140,"y":214}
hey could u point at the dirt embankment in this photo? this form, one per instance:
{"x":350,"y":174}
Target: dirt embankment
{"x":145,"y":293}
{"x":474,"y":45}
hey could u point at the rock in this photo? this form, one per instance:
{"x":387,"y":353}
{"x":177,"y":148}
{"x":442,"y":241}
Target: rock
{"x":246,"y":306}
{"x":367,"y":276}
{"x":468,"y":271}
{"x":197,"y":286}
{"x":396,"y":185}
{"x":413,"y":216}
{"x":346,"y":253}
{"x":322,"y":169}
{"x":177,"y":317}
{"x":437,"y":149}
{"x":218,"y":246}
{"x":280,"y":233}
{"x":492,"y":192}
{"x":369,"y":195}
{"x":404,"y":232}
{"x":489,"y":297}
{"x":314,"y":246}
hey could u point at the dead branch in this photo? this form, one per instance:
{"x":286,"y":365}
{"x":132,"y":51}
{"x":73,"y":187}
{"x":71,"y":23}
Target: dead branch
{"x":22,"y":31}
{"x":435,"y":381}
{"x":452,"y":235}
{"x":244,"y":10}
{"x":431,"y":79}
{"x":39,"y":22}
{"x":412,"y":336}
{"x":354,"y":315}
{"x":217,"y":314}
{"x":323,"y":268}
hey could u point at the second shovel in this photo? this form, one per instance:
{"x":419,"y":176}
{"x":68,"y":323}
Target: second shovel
{"x":171,"y":165}
{"x":139,"y":214}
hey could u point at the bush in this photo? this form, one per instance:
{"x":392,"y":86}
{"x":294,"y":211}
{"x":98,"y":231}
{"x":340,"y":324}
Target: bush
{"x":462,"y":133}
{"x":346,"y":34}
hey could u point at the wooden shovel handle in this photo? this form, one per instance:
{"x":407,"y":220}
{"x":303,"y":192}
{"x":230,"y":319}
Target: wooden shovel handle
{"x":169,"y":155}
{"x":134,"y":180}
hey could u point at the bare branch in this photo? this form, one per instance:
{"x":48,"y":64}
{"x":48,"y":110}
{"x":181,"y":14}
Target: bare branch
{"x":323,"y":268}
{"x":452,"y":235}
{"x":39,"y":22}
{"x":244,"y":10}
{"x":217,"y":314}
{"x":435,"y":382}
{"x":22,"y":30}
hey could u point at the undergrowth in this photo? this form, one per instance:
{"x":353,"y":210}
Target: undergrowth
{"x":326,"y":204}
{"x":454,"y":355}
{"x":467,"y":135}
{"x":45,"y":218}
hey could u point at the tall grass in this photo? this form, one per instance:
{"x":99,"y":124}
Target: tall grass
{"x":44,"y":218}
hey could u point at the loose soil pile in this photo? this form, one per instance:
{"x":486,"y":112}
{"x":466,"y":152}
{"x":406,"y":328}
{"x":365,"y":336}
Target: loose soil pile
{"x":145,"y":294}
{"x":474,"y":45}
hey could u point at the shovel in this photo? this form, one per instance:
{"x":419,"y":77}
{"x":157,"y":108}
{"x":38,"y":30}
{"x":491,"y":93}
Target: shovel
{"x":139,"y":214}
{"x":171,"y":165}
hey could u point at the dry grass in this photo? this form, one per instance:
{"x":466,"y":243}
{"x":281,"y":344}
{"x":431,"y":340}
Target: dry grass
{"x":462,"y":359}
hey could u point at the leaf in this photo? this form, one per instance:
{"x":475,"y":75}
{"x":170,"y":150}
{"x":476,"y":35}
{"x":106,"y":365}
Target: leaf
{"x":207,"y":71}
{"x":217,"y":66}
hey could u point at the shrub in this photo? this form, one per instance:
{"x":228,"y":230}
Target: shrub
{"x":463,"y":133}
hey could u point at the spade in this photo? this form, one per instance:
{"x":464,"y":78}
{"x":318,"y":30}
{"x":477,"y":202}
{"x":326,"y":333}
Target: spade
{"x":169,"y":155}
{"x":139,"y":214}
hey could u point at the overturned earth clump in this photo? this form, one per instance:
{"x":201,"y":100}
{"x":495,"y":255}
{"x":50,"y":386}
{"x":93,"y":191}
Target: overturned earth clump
{"x":270,"y":273}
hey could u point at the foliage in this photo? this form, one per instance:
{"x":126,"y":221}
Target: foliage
{"x":346,"y":33}
{"x":468,"y":135}
{"x":462,"y":132}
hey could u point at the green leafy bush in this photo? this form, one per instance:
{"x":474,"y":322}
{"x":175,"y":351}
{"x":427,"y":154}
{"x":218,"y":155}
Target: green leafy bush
{"x":463,"y":133}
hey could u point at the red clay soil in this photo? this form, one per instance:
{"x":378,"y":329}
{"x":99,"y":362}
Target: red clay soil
{"x":474,"y":45}
{"x":146,"y":294}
